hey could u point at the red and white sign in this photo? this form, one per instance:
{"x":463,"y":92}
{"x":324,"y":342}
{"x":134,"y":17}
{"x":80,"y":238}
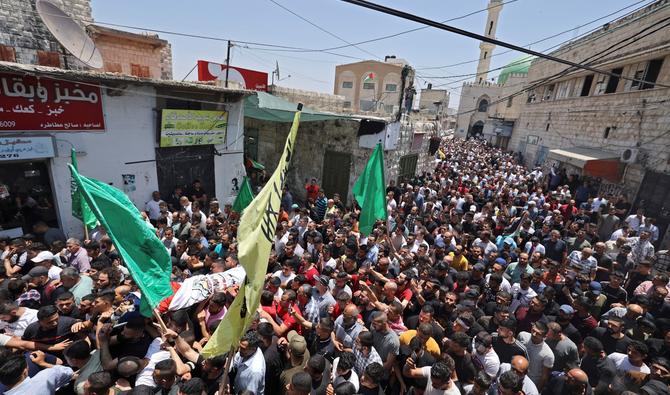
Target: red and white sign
{"x":31,"y":104}
{"x":249,"y":79}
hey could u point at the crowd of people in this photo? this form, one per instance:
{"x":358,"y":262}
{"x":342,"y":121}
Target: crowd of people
{"x":486,"y":278}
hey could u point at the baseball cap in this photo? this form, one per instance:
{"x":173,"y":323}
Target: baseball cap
{"x":595,"y":287}
{"x":37,"y":271}
{"x":501,"y":261}
{"x":295,"y":206}
{"x":567,"y":309}
{"x":297,"y":344}
{"x":473,"y":208}
{"x":324,"y":280}
{"x":43,"y":256}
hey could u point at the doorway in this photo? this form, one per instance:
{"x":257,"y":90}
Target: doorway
{"x":181,"y":165}
{"x":653,"y":198}
{"x":336,"y":171}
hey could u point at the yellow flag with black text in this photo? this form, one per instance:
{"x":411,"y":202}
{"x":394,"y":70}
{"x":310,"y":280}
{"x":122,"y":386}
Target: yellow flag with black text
{"x":255,"y":235}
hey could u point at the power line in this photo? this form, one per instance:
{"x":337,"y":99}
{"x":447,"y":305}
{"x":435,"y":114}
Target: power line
{"x":549,"y":37}
{"x":607,"y":51}
{"x":322,"y":29}
{"x":479,"y":37}
{"x":399,"y":33}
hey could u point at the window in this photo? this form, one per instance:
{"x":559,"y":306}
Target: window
{"x":7,"y":53}
{"x":483,"y":106}
{"x":652,"y":73}
{"x":485,"y":54}
{"x":368,"y":85}
{"x":367,"y":105}
{"x":113,"y":67}
{"x":509,"y":101}
{"x":490,"y":28}
{"x":548,"y":92}
{"x":346,"y":104}
{"x":139,"y":70}
{"x":388,"y":108}
{"x":613,"y":81}
{"x":347,"y":84}
{"x":586,"y":88}
{"x":563,"y":89}
{"x":607,"y":132}
{"x":48,"y":58}
{"x":391,"y":87}
{"x":601,"y":84}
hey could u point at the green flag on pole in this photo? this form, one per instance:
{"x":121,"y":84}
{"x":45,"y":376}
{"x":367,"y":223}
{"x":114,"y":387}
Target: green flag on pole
{"x":244,"y":196}
{"x":370,"y":192}
{"x":143,"y":253}
{"x":80,"y":209}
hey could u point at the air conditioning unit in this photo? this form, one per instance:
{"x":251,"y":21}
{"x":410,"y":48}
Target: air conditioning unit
{"x":629,"y":155}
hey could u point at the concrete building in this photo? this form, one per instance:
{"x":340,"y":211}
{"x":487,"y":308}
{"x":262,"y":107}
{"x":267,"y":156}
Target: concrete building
{"x":434,"y":102}
{"x":484,"y":112}
{"x":140,"y":55}
{"x":612,"y":130}
{"x":24,"y":38}
{"x":117,"y":128}
{"x":375,"y":87}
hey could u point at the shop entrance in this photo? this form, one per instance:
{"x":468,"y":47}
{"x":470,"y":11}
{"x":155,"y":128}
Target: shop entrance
{"x":26,"y":197}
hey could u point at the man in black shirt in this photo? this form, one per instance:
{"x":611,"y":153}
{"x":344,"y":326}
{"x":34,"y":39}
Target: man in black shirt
{"x":613,"y":290}
{"x":458,"y":350}
{"x":505,"y":343}
{"x":273,"y":361}
{"x":604,"y":267}
{"x":612,"y":338}
{"x":51,"y":328}
{"x":600,"y":370}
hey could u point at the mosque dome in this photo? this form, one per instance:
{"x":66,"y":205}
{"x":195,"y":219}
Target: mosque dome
{"x":518,"y":66}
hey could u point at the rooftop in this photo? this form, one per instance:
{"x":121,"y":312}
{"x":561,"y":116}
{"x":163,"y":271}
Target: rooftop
{"x":517,"y":66}
{"x":114,"y":79}
{"x":146,"y":38}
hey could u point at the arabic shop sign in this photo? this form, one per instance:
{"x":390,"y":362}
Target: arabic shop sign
{"x":28,"y":103}
{"x":15,"y":148}
{"x":193,"y":127}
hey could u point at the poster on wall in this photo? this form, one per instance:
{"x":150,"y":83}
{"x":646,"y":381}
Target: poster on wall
{"x":245,"y":78}
{"x":193,"y":127}
{"x":18,"y":148}
{"x":128,"y":183}
{"x":31,"y":104}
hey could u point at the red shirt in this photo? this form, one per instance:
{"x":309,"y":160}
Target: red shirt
{"x":287,"y":319}
{"x":312,"y":191}
{"x":310,"y":274}
{"x":405,"y":294}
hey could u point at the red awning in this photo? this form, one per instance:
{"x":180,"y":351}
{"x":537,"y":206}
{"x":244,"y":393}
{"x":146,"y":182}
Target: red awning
{"x":593,"y":162}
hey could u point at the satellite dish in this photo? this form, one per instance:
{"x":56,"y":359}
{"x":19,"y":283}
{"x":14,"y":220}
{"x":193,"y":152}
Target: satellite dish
{"x":69,"y":34}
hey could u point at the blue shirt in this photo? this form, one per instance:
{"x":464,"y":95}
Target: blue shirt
{"x":250,"y":373}
{"x":45,"y":382}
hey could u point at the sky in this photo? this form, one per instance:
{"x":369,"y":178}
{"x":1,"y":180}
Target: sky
{"x":263,"y":21}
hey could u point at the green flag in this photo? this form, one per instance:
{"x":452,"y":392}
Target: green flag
{"x":370,"y":192}
{"x":244,"y":196}
{"x":143,"y":253}
{"x":255,"y":235}
{"x":80,"y":209}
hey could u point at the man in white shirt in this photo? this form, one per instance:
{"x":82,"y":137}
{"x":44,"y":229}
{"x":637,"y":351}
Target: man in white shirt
{"x":438,"y":376}
{"x":250,"y":364}
{"x":633,"y":361}
{"x":635,"y":220}
{"x":484,"y":356}
{"x":152,"y":207}
{"x":14,"y":319}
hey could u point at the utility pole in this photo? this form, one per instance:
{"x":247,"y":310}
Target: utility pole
{"x":228,"y":61}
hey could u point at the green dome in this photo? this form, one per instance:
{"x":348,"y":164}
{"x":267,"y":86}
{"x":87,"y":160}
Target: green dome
{"x":518,"y":66}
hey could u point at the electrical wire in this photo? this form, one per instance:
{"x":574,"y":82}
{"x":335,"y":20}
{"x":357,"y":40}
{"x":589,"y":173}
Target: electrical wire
{"x":549,"y":37}
{"x":479,"y":37}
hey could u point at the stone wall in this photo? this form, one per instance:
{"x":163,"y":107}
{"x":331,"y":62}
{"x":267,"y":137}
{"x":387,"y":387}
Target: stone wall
{"x":22,"y":29}
{"x":314,"y":100}
{"x":315,"y":138}
{"x":166,"y":62}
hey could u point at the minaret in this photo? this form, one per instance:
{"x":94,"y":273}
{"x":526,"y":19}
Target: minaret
{"x":486,"y":49}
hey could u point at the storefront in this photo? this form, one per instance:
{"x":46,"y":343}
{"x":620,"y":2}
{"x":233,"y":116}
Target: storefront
{"x":26,"y":186}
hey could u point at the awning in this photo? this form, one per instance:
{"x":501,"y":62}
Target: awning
{"x":592,"y":161}
{"x":267,"y":107}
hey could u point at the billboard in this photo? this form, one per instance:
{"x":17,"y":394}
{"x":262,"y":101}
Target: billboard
{"x":193,"y":127}
{"x":248,"y":79}
{"x":31,"y":104}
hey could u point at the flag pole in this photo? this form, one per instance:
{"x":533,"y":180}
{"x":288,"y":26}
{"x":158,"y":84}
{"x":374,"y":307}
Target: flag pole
{"x":158,"y":317}
{"x":86,"y":232}
{"x":226,"y":369}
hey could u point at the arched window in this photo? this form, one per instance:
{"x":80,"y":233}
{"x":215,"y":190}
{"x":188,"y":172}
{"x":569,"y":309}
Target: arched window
{"x":483,"y":106}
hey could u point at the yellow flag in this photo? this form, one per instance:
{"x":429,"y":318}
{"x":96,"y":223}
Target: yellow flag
{"x":255,"y":236}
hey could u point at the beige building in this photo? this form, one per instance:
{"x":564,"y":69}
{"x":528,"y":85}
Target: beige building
{"x":434,"y":102}
{"x":610,"y":129}
{"x":483,"y":111}
{"x":374,"y":87}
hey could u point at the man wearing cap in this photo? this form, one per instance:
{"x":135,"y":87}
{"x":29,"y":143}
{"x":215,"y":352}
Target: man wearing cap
{"x":46,"y":259}
{"x":38,"y":279}
{"x":298,"y":357}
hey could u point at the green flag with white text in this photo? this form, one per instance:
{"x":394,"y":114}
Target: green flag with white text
{"x":142,"y":251}
{"x":244,"y":196}
{"x":80,"y":209}
{"x":370,"y":192}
